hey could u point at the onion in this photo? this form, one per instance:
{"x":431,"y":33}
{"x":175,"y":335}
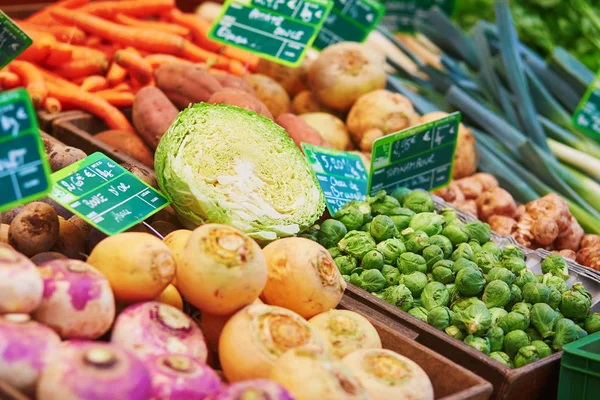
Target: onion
{"x":77,"y":301}
{"x":153,"y":328}
{"x":388,"y":375}
{"x":94,"y":370}
{"x":179,"y":377}
{"x":24,"y":349}
{"x":345,"y":331}
{"x":302,"y":277}
{"x":221,"y":269}
{"x":21,"y":285}
{"x":310,"y":373}
{"x":253,"y":389}
{"x":255,"y":337}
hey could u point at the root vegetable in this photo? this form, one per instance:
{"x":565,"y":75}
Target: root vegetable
{"x":234,"y":82}
{"x":60,"y":210}
{"x":4,"y":233}
{"x":270,"y":93}
{"x":25,"y":346}
{"x":153,"y":113}
{"x":471,"y":187}
{"x":544,"y":230}
{"x":520,"y":211}
{"x":8,"y":216}
{"x":35,"y":229}
{"x":502,"y":224}
{"x":300,"y":131}
{"x":451,"y":193}
{"x":142,"y":173}
{"x":387,"y":375}
{"x":129,"y":144}
{"x":71,"y":241}
{"x":496,"y":201}
{"x":345,"y":331}
{"x":46,"y":256}
{"x":138,"y":265}
{"x":302,"y":277}
{"x":469,"y":206}
{"x":241,"y":99}
{"x":570,"y":239}
{"x":62,"y":156}
{"x":531,"y":229}
{"x":153,"y":329}
{"x":590,"y":241}
{"x":487,"y":181}
{"x":259,"y":388}
{"x":293,"y":80}
{"x":83,"y":226}
{"x":185,"y":83}
{"x":171,"y":297}
{"x":570,"y":254}
{"x":21,"y":285}
{"x":344,"y":72}
{"x":255,"y":337}
{"x":590,"y":257}
{"x":305,"y":102}
{"x":331,"y":129}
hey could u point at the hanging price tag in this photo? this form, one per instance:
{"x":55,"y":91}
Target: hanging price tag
{"x":13,"y":41}
{"x":401,"y":15}
{"x":587,"y":114}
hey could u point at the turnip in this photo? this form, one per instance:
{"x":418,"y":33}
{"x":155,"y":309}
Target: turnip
{"x":345,"y":331}
{"x":252,"y":389}
{"x":24,"y":349}
{"x":21,"y":285}
{"x":179,"y":377}
{"x":388,"y":375}
{"x":77,"y":301}
{"x":255,"y":337}
{"x":302,"y":277}
{"x":94,"y":371}
{"x":171,"y":296}
{"x":153,"y":328}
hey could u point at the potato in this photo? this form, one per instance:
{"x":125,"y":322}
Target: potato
{"x":46,"y":256}
{"x":331,"y":128}
{"x":241,"y":99}
{"x":306,"y":102}
{"x":293,"y":80}
{"x":344,"y":72}
{"x":34,"y":230}
{"x":62,"y":156}
{"x":271,"y":93}
{"x":71,"y":241}
{"x":129,"y":144}
{"x":300,"y":131}
{"x":142,"y":173}
{"x":153,"y":113}
{"x":234,"y":82}
{"x":185,"y":83}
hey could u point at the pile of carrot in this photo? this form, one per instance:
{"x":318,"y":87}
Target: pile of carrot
{"x":95,"y":55}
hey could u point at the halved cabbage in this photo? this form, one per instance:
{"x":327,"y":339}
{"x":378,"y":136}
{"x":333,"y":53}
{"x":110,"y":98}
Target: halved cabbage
{"x":223,"y":164}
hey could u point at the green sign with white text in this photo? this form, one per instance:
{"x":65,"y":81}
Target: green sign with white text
{"x":587,"y":115}
{"x":24,"y":168}
{"x":105,"y":195}
{"x":420,"y":157}
{"x":13,"y":41}
{"x":277,"y":30}
{"x":401,"y":15}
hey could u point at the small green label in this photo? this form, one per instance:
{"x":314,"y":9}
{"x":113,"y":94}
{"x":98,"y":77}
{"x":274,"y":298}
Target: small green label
{"x":13,"y":41}
{"x":341,"y":175}
{"x":401,"y":15}
{"x":587,"y":114}
{"x":420,"y":157}
{"x":105,"y":195}
{"x":24,"y":168}
{"x":277,"y":30}
{"x":349,"y":21}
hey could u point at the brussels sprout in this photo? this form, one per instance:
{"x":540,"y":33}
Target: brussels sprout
{"x":400,"y":194}
{"x":556,"y":282}
{"x":417,"y":301}
{"x":432,"y":254}
{"x":502,"y":274}
{"x":371,"y":280}
{"x":385,"y":206}
{"x":346,"y":264}
{"x":346,"y":278}
{"x":533,"y":334}
{"x":496,"y":338}
{"x":476,"y":319}
{"x":357,"y":244}
{"x":513,"y":264}
{"x":455,"y":332}
{"x":462,"y":251}
{"x":463,"y":263}
{"x":355,"y":279}
{"x":335,"y":252}
{"x":452,"y":290}
{"x":442,"y":274}
{"x":496,"y":294}
{"x":526,"y":355}
{"x":379,"y":196}
{"x":391,"y":250}
{"x":402,"y":217}
{"x":443,"y":242}
{"x":398,"y":296}
{"x":410,"y":262}
{"x":463,"y":304}
{"x":566,"y":331}
{"x":502,"y":357}
{"x":372,"y":260}
{"x":485,"y":260}
{"x":592,"y":323}
{"x":514,"y":340}
{"x":382,"y":228}
{"x":543,"y":319}
{"x":511,"y":250}
{"x":455,"y":233}
{"x":444,"y":263}
{"x":525,"y":276}
{"x":350,"y":215}
{"x":449,"y":215}
{"x":418,"y":201}
{"x":516,"y":295}
{"x":435,"y":294}
{"x":576,"y":302}
{"x":475,"y":246}
{"x":479,"y":231}
{"x":419,"y":312}
{"x":469,"y":281}
{"x":439,"y":317}
{"x":523,"y":308}
{"x":478,"y":343}
{"x":556,"y":265}
{"x":415,"y":282}
{"x":391,"y":275}
{"x":513,"y":321}
{"x":332,"y":231}
{"x":311,"y":233}
{"x":492,"y":248}
{"x":428,"y":222}
{"x":497,"y":313}
{"x":415,"y":241}
{"x":536,"y":293}
{"x":543,"y":349}
{"x":366,"y":227}
{"x":555,"y":297}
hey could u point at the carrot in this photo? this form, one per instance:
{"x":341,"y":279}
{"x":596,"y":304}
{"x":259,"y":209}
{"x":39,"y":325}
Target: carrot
{"x":88,"y":53}
{"x":136,"y":66}
{"x":9,"y":80}
{"x":89,"y":102}
{"x":43,"y":16}
{"x":33,"y":80}
{"x":117,"y":99}
{"x":78,"y":68}
{"x":159,"y":26}
{"x":94,"y":83}
{"x":136,"y":8}
{"x":116,"y":74}
{"x":51,"y":77}
{"x":52,"y":105}
{"x":62,"y":33}
{"x":60,"y":53}
{"x":39,"y":49}
{"x":156,"y":60}
{"x":237,"y":68}
{"x":122,"y":87}
{"x":196,"y":54}
{"x":93,"y":41}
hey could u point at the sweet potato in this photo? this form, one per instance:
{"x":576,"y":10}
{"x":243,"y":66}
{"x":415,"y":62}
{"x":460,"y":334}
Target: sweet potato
{"x":239,"y":98}
{"x":129,"y":144}
{"x":300,"y":131}
{"x":271,"y":93}
{"x":234,"y":82}
{"x":153,"y":113}
{"x":185,"y":83}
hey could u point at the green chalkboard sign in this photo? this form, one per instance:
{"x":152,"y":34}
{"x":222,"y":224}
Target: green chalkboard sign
{"x":24,"y":168}
{"x":587,"y":114}
{"x":349,"y":21}
{"x":401,"y":15}
{"x":420,"y":157}
{"x":342,"y":176}
{"x":13,"y":41}
{"x":105,"y":195}
{"x":277,"y":30}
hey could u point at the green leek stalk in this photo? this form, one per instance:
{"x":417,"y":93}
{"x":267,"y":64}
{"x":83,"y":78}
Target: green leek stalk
{"x":576,"y":158}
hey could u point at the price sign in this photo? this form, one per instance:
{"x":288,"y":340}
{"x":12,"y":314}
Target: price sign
{"x":24,"y":169}
{"x":277,"y":30}
{"x":105,"y":195}
{"x":401,"y":15}
{"x":349,"y":21}
{"x":341,"y":175}
{"x":420,"y":157}
{"x":587,"y":114}
{"x":13,"y":41}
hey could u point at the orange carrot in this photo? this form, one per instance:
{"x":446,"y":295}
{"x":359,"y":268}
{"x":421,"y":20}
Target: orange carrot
{"x":196,"y":54}
{"x":94,"y":83}
{"x":156,"y":25}
{"x":156,"y":60}
{"x":60,"y":53}
{"x":51,"y":77}
{"x":9,"y":80}
{"x":33,"y":80}
{"x":52,"y":105}
{"x":122,"y":87}
{"x":39,"y":49}
{"x":237,"y":68}
{"x":62,"y":33}
{"x":88,"y":53}
{"x":197,"y":28}
{"x":116,"y":74}
{"x":117,"y":99}
{"x":93,"y":41}
{"x":135,"y":65}
{"x":90,"y":102}
{"x":137,"y":8}
{"x":43,"y":16}
{"x":78,"y":68}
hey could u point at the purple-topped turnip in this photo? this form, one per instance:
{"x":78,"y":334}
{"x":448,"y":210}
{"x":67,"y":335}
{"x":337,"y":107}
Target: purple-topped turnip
{"x":252,"y":389}
{"x":21,"y":285}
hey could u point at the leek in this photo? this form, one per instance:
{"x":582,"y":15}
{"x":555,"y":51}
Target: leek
{"x":576,"y":158}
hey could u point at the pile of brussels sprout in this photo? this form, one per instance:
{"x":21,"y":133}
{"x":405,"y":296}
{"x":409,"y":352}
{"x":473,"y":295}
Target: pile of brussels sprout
{"x":450,"y":275}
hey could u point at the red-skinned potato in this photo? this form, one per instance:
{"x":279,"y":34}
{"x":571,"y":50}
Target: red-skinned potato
{"x":241,"y":99}
{"x":185,"y":83}
{"x":300,"y":131}
{"x":153,"y":113}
